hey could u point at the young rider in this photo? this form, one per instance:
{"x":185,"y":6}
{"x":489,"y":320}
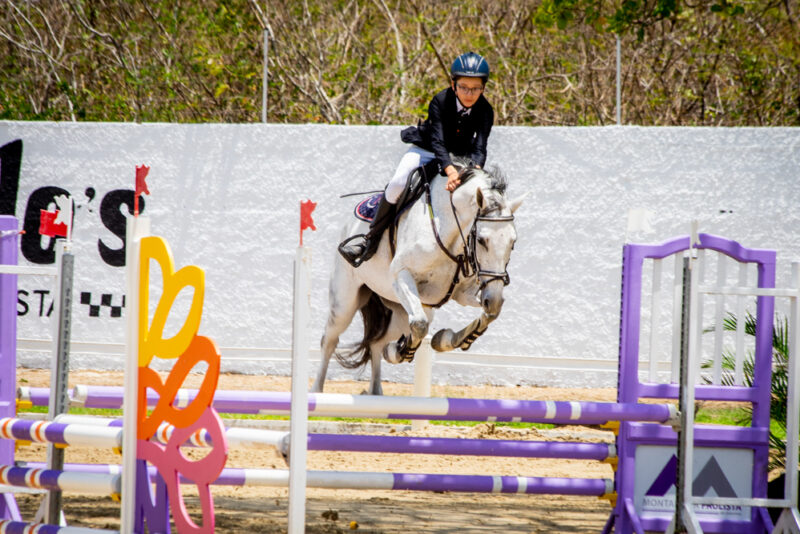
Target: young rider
{"x":459,"y":123}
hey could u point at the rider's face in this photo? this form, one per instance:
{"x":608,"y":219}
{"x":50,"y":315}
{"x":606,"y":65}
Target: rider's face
{"x":468,"y":90}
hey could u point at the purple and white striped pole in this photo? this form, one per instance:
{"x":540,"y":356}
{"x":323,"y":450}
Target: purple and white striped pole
{"x":450,"y":409}
{"x":394,"y":481}
{"x":77,"y":430}
{"x":60,"y":433}
{"x":20,"y":527}
{"x":50,"y":479}
{"x":257,"y":438}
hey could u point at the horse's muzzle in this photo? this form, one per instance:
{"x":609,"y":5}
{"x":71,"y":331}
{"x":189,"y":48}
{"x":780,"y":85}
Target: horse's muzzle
{"x":492,"y":303}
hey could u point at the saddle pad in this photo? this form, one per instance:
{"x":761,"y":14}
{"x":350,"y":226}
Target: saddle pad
{"x":365,"y":210}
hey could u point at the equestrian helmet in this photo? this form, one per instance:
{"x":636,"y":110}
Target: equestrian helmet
{"x":471,"y":65}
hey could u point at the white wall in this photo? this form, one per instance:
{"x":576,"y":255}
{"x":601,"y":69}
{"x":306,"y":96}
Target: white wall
{"x":227,"y":197}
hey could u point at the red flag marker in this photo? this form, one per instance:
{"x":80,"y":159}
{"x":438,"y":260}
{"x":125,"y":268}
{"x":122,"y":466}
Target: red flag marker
{"x":48,"y":226}
{"x":306,"y":221}
{"x":141,"y":187}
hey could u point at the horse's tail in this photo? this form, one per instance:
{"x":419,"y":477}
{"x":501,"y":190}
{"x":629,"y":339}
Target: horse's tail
{"x":376,"y":317}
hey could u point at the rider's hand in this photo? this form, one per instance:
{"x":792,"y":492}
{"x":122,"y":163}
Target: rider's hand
{"x":452,"y":178}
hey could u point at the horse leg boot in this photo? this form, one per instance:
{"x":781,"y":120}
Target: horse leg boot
{"x":363,"y":248}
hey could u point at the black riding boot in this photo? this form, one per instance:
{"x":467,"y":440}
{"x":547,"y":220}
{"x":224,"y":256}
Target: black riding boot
{"x":359,"y":248}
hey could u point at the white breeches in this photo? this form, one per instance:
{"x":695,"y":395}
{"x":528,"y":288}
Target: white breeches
{"x":412,"y":159}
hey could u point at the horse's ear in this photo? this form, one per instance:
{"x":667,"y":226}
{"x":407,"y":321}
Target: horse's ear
{"x":517,"y":202}
{"x":479,"y":198}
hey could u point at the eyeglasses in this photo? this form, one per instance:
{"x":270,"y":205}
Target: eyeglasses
{"x":469,"y":90}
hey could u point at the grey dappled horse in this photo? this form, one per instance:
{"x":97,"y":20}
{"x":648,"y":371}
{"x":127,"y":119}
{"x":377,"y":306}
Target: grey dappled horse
{"x":448,"y":246}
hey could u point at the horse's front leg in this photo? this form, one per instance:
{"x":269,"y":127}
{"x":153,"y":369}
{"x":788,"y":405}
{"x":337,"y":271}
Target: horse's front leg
{"x":446,"y":340}
{"x":405,"y":288}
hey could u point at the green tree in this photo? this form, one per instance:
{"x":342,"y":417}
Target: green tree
{"x":710,"y":62}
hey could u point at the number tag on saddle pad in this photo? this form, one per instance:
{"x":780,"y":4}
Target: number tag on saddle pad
{"x":365,"y":210}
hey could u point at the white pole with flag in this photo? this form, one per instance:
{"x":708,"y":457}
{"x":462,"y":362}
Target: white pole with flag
{"x":137,"y":228}
{"x":298,"y":428}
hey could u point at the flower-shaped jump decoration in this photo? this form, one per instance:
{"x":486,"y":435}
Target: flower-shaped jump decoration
{"x":189,"y":349}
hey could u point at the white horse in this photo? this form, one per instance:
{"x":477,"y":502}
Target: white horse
{"x":448,"y":246}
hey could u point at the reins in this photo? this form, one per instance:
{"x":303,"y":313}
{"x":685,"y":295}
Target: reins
{"x":460,"y":260}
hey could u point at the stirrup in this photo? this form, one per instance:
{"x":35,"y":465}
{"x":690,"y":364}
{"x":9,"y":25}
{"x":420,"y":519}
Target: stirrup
{"x":355,"y":261}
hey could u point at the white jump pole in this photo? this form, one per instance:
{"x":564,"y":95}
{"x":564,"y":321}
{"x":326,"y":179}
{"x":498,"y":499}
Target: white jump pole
{"x":423,"y":367}
{"x":299,"y":409}
{"x":137,"y":228}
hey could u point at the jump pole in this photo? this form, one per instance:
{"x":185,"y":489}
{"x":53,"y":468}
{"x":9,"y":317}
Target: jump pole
{"x":87,"y":431}
{"x":250,"y":477}
{"x":20,"y":526}
{"x":298,"y":425}
{"x":59,"y":365}
{"x":299,"y":409}
{"x":385,"y":407}
{"x":423,"y":367}
{"x":137,"y":228}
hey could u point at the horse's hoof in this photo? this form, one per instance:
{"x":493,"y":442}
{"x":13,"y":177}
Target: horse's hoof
{"x":391,"y":354}
{"x":442,"y":341}
{"x":405,"y":350}
{"x":419,"y":328}
{"x":284,"y":447}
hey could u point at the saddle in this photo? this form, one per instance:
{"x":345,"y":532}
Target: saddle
{"x":381,"y":215}
{"x":415,"y":186}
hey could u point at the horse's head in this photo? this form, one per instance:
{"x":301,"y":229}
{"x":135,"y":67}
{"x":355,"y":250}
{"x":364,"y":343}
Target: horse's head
{"x":492,"y":237}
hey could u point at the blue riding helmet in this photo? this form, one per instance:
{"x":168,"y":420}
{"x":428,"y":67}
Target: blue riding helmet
{"x":471,"y":65}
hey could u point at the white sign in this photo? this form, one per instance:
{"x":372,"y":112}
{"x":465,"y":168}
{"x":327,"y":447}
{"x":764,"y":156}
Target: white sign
{"x":716,"y":473}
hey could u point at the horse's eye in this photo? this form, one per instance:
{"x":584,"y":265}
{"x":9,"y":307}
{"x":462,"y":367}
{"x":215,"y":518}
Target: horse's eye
{"x":482,"y":242}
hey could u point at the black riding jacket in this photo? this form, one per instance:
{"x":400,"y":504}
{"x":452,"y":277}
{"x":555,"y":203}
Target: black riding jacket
{"x":446,"y":132}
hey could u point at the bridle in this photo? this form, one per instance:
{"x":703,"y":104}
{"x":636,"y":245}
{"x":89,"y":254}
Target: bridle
{"x":485,"y":276}
{"x":467,"y":263}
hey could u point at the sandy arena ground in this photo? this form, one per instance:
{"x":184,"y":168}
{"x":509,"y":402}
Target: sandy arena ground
{"x":264,"y":510}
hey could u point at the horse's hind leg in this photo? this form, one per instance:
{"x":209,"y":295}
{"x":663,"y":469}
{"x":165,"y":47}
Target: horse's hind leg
{"x":375,"y":387}
{"x":343,"y":307}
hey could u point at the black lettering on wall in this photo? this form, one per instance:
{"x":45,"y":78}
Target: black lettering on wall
{"x":42,"y":294}
{"x":10,"y":162}
{"x":31,"y":244}
{"x":22,"y":304}
{"x":113,"y":219}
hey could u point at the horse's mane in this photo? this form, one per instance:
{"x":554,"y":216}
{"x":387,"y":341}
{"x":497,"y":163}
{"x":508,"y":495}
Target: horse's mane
{"x":467,"y":170}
